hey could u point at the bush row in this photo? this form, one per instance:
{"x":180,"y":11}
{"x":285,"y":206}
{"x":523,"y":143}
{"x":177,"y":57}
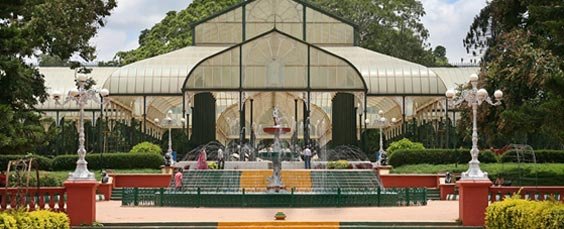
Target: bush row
{"x":95,"y":161}
{"x":517,"y":174}
{"x":110,"y":161}
{"x":43,"y":162}
{"x":518,"y":213}
{"x":42,"y":219}
{"x":437,"y":156}
{"x":542,"y":156}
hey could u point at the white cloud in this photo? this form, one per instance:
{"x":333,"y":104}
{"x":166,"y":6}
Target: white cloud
{"x":448,"y":22}
{"x":108,"y":41}
{"x":126,"y":22}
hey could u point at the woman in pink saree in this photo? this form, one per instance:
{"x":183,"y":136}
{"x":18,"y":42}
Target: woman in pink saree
{"x":202,"y":160}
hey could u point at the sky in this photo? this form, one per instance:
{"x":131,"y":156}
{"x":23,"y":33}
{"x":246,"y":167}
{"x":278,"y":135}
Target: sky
{"x":447,"y":21}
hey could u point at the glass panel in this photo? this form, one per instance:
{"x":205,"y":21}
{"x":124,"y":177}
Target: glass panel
{"x":275,"y":61}
{"x":218,"y":72}
{"x":264,"y":15}
{"x":224,"y":29}
{"x":330,"y":72}
{"x":325,"y":30}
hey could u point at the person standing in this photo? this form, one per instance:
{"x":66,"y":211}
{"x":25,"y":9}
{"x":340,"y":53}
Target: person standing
{"x":174,"y":156}
{"x":178,"y":179}
{"x":307,"y":157}
{"x":220,"y":159}
{"x":202,"y":160}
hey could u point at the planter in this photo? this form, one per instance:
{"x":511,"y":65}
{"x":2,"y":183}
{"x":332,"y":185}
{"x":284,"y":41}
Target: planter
{"x":280,"y":216}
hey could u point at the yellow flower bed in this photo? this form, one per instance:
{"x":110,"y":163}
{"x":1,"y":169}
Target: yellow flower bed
{"x":518,"y":213}
{"x":42,"y":219}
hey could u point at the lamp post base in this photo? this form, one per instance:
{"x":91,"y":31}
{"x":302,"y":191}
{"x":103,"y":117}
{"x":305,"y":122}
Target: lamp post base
{"x":474,"y":172}
{"x":81,"y":172}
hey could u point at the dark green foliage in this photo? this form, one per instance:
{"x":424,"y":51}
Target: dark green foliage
{"x":542,"y":156}
{"x":21,"y":131}
{"x":56,"y":27}
{"x":180,"y":143}
{"x":52,"y":61}
{"x":110,"y":161}
{"x":43,"y":162}
{"x":437,"y":156}
{"x":523,"y":46}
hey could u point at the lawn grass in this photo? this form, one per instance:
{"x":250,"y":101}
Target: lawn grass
{"x":518,"y":174}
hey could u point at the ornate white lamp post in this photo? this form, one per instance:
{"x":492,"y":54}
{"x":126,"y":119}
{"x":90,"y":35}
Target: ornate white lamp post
{"x":474,"y":97}
{"x":382,"y":122}
{"x":168,"y":122}
{"x":82,"y":96}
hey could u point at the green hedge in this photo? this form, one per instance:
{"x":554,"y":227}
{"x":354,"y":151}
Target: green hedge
{"x":44,"y":163}
{"x":110,"y":161}
{"x":42,"y":219}
{"x":518,"y":213}
{"x":437,"y":156}
{"x":518,"y":174}
{"x":542,"y":156}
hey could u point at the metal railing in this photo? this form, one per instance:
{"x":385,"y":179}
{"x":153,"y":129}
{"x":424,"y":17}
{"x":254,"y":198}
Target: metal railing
{"x":33,"y":198}
{"x":530,"y":193}
{"x":241,"y":198}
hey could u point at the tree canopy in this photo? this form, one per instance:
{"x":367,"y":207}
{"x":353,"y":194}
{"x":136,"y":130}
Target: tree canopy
{"x":29,"y":28}
{"x":523,"y":46}
{"x":389,"y":27}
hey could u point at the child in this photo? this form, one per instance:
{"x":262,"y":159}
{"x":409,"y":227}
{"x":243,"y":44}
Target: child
{"x":178,"y":179}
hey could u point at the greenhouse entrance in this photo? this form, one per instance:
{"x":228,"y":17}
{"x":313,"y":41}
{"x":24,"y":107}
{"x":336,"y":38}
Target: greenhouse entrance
{"x":274,"y":70}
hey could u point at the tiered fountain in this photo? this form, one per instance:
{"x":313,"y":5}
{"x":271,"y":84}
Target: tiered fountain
{"x":276,"y":155}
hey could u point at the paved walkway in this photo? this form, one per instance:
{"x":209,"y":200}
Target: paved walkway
{"x":435,"y":211}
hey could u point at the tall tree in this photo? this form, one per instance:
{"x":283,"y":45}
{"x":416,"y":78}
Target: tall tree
{"x":28,"y":27}
{"x":51,"y":61}
{"x":173,"y":32}
{"x":523,"y":42}
{"x":389,"y":27}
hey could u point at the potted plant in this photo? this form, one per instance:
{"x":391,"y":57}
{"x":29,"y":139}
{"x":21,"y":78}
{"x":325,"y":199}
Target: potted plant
{"x":280,"y":216}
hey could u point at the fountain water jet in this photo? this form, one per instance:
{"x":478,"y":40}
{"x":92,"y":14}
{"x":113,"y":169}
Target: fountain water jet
{"x":275,"y":155}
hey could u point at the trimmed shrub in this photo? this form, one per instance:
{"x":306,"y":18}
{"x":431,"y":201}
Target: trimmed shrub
{"x":42,"y":219}
{"x":146,"y":147}
{"x":111,"y":161}
{"x":7,"y":221}
{"x":340,"y":164}
{"x":404,"y":144}
{"x":437,"y":156}
{"x":518,"y":213}
{"x":49,"y":219}
{"x":542,"y":156}
{"x":43,"y":162}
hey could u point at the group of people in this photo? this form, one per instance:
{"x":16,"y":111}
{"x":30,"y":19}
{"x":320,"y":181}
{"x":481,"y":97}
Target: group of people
{"x":203,"y":157}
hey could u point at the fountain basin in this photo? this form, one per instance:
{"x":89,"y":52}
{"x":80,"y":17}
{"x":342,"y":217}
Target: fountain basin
{"x":276,"y":129}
